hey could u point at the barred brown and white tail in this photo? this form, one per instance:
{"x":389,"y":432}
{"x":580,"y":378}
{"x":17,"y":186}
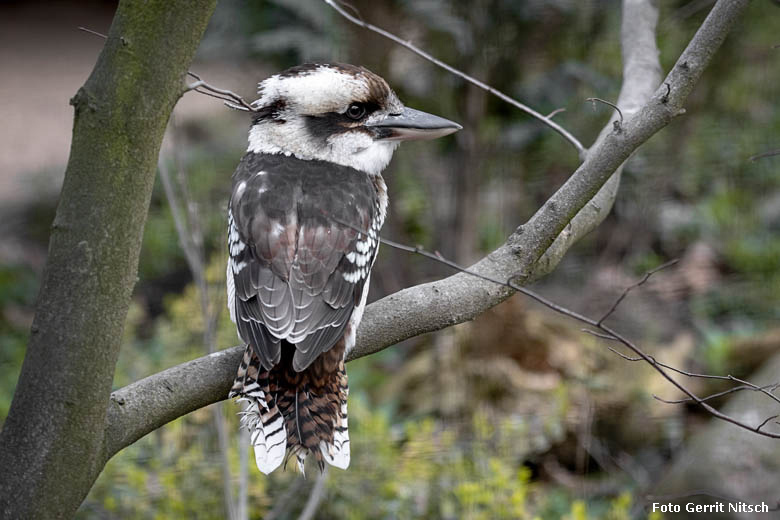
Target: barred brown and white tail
{"x":295,"y":412}
{"x":260,"y":414}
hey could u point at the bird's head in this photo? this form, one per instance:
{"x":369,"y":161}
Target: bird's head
{"x":338,"y":113}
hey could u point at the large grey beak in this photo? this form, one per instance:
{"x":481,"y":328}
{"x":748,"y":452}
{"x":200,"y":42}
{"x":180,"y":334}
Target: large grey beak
{"x":413,"y":124}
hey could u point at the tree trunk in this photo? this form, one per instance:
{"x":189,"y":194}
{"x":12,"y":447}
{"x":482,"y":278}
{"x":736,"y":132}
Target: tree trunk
{"x":51,"y":446}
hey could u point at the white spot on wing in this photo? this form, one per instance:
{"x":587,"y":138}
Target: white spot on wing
{"x":231,"y":291}
{"x":278,"y":229}
{"x":352,"y":277}
{"x":354,"y":320}
{"x":237,"y":267}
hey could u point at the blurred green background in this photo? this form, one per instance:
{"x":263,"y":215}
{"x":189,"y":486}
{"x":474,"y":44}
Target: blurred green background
{"x":517,"y":414}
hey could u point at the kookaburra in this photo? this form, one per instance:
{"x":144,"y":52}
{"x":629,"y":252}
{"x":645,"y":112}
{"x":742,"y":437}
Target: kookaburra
{"x":307,"y":204}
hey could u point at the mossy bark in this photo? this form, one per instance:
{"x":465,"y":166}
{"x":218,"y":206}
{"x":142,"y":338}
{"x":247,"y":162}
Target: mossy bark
{"x":51,"y":446}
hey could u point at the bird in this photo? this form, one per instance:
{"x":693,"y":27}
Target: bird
{"x":307,"y":204}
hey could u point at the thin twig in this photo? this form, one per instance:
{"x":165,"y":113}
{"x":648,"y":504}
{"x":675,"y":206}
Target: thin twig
{"x":713,"y":396}
{"x":594,"y":99}
{"x":555,"y":112}
{"x":602,"y":336}
{"x":660,"y":369}
{"x":627,"y":358}
{"x":766,"y":421}
{"x":765,"y":154}
{"x":90,"y":31}
{"x":630,"y":288}
{"x":230,"y":98}
{"x":357,"y":20}
{"x":751,"y":386}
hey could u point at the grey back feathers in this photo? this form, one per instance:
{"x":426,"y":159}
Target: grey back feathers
{"x":297,"y":257}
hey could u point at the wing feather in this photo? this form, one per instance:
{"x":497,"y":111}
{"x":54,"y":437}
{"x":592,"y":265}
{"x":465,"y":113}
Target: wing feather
{"x":298,"y":261}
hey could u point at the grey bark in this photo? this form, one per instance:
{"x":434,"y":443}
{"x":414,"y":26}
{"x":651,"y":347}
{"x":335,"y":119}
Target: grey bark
{"x":51,"y":446}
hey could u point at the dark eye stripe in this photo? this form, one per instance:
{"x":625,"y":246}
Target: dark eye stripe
{"x":369,"y":106}
{"x":270,"y":112}
{"x":332,"y":123}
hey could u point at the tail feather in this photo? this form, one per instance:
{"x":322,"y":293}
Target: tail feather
{"x":336,"y":453}
{"x":260,"y":415}
{"x":296,"y":413}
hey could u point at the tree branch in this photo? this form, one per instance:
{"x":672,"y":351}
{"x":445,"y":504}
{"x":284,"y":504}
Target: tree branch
{"x":536,"y":236}
{"x":532,"y":251}
{"x":641,"y":75}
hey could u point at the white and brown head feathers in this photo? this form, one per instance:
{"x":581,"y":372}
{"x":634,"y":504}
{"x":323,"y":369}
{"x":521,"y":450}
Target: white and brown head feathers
{"x":338,"y":113}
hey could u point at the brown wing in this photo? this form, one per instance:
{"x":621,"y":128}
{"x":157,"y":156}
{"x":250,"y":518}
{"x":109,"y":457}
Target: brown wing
{"x":297,"y":258}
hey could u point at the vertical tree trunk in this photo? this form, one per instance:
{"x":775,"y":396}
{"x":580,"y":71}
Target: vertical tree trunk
{"x":51,"y":446}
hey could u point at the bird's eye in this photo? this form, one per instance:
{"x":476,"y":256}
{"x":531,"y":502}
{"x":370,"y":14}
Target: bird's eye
{"x":356,"y":111}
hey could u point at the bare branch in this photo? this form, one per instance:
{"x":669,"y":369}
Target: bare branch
{"x":767,"y":390}
{"x":452,"y":70}
{"x":660,"y":369}
{"x":641,"y":75}
{"x":555,"y":112}
{"x":142,"y":394}
{"x":90,"y":31}
{"x":765,"y":154}
{"x":230,"y":98}
{"x":630,"y":288}
{"x":713,"y":396}
{"x":615,"y":147}
{"x":595,"y":99}
{"x":610,"y":334}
